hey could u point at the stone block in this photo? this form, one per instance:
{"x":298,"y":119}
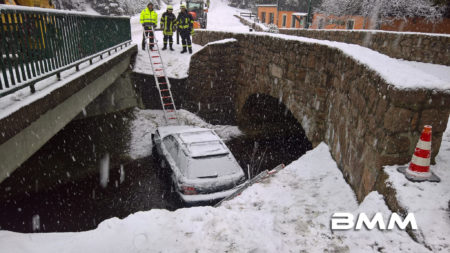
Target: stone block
{"x":397,"y":120}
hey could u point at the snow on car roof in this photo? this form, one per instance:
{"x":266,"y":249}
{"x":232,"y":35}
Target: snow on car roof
{"x":167,"y":130}
{"x":198,"y":149}
{"x":198,"y":136}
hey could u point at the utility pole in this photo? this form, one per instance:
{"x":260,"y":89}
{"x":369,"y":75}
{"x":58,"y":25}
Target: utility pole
{"x":308,"y":17}
{"x":278,"y":2}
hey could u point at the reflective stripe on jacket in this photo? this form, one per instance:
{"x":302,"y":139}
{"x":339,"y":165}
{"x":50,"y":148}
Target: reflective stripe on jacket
{"x":168,"y":20}
{"x":185,"y":21}
{"x":148,"y":16}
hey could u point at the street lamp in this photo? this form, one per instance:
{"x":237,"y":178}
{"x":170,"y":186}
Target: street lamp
{"x":308,"y":15}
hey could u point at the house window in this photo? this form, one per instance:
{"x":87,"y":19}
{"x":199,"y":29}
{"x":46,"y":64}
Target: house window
{"x":350,"y":24}
{"x":283,"y":24}
{"x":263,"y":17}
{"x":321,"y":21}
{"x":271,"y":18}
{"x":293,"y":21}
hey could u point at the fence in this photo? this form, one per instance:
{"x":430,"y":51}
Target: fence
{"x":37,"y":43}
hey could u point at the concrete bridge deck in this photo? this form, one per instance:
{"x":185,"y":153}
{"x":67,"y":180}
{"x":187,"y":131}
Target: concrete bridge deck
{"x":28,"y":124}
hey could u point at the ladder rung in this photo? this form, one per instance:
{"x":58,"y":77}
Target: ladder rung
{"x":165,"y":90}
{"x":168,"y":104}
{"x":166,"y":97}
{"x":162,"y":83}
{"x":158,"y":69}
{"x":173,"y":118}
{"x":155,"y":56}
{"x":157,"y":63}
{"x":170,"y":110}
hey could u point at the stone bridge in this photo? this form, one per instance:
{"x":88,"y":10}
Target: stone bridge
{"x":366,"y":121}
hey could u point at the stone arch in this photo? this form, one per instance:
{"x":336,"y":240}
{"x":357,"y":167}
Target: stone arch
{"x":268,"y":116}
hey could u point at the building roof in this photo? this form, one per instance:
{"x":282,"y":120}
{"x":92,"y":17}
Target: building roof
{"x":266,"y":5}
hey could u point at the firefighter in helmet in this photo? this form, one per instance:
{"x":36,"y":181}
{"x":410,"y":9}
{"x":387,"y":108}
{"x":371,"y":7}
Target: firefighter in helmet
{"x":185,"y":23}
{"x":168,"y":26}
{"x":149,"y":19}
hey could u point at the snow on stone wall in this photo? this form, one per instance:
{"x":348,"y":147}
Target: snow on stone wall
{"x":373,"y":123}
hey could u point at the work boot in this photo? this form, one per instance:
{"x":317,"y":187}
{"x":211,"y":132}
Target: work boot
{"x":164,"y":48}
{"x":190,"y":50}
{"x":184,"y":50}
{"x":171,"y":48}
{"x":143,"y":46}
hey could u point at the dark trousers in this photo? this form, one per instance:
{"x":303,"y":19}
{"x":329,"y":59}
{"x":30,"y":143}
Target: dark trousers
{"x":168,"y":38}
{"x":147,"y":33}
{"x":185,"y":38}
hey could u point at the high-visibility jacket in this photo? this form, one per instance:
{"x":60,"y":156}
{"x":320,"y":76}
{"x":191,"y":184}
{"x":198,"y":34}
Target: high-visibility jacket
{"x":149,"y":17}
{"x":185,"y":21}
{"x":168,"y":21}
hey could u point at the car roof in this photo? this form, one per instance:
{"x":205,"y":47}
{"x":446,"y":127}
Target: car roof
{"x":196,"y":141}
{"x":172,"y":130}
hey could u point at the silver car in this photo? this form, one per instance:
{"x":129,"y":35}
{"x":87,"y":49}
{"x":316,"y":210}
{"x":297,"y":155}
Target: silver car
{"x":203,"y":168}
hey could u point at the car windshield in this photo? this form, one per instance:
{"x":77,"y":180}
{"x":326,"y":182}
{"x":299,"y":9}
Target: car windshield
{"x":193,"y":6}
{"x":208,"y":148}
{"x":212,"y":166}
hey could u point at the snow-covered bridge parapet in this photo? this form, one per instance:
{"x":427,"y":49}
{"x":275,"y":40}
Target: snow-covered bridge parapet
{"x":367,"y":107}
{"x":421,"y":47}
{"x":28,"y":121}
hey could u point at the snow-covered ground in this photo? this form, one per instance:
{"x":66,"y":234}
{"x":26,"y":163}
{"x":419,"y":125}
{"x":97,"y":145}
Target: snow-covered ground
{"x":220,"y":17}
{"x":146,"y":122}
{"x":430,"y":202}
{"x":288,"y":212}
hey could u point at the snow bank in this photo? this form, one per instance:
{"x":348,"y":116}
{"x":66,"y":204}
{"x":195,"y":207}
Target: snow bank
{"x":428,"y":201}
{"x":146,"y":121}
{"x":288,"y":212}
{"x":224,"y":41}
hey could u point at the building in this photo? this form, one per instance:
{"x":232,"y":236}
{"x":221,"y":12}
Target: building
{"x":416,"y":24}
{"x":321,"y":21}
{"x":270,"y":14}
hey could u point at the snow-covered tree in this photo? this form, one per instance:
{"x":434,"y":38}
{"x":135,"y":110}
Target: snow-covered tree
{"x":383,"y":9}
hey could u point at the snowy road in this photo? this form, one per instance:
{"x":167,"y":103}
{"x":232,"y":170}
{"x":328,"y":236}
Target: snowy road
{"x":220,"y":17}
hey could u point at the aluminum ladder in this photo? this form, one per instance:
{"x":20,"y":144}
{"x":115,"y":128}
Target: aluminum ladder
{"x":162,"y":81}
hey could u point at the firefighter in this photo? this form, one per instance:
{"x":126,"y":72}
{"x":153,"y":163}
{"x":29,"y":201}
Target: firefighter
{"x":185,"y":23}
{"x":168,"y":25}
{"x":149,"y":19}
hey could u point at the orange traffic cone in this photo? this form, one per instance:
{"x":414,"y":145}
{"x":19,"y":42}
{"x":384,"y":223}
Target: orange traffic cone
{"x":419,"y":168}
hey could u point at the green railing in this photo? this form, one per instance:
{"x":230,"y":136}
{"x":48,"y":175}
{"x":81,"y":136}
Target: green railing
{"x":36,"y":44}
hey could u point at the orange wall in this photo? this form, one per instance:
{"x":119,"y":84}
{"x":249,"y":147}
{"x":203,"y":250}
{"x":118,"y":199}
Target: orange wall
{"x":288,"y":19}
{"x":418,"y":25}
{"x":267,"y":10}
{"x":409,"y":25}
{"x":273,"y":9}
{"x":334,"y":22}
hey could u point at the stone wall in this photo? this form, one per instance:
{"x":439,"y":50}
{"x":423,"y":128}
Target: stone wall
{"x":408,"y":46}
{"x":366,"y":122}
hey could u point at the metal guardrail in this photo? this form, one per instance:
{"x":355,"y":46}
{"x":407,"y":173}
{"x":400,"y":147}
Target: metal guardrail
{"x":36,"y":44}
{"x":248,"y":15}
